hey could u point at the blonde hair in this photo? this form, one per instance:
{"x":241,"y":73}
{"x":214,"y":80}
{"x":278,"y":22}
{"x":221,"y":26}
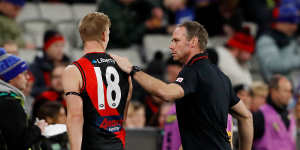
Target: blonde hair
{"x":259,"y":88}
{"x":93,"y":25}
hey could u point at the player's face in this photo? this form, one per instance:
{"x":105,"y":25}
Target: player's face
{"x":180,"y":45}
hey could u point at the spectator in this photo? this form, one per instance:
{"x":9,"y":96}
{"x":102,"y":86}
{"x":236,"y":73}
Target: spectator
{"x":11,"y":47}
{"x":274,"y":125}
{"x":227,"y":16}
{"x":129,"y":26}
{"x":136,"y":117}
{"x":259,"y":12}
{"x":258,"y":92}
{"x":242,"y":92}
{"x":15,"y":129}
{"x":234,"y":57}
{"x":54,"y":93}
{"x":54,"y":113}
{"x":43,"y":65}
{"x":178,"y":11}
{"x":9,"y":29}
{"x":277,"y":50}
{"x":171,"y":139}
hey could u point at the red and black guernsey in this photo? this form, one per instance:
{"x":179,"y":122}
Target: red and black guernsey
{"x":104,"y":94}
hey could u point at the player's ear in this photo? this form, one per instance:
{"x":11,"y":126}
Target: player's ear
{"x":103,"y":36}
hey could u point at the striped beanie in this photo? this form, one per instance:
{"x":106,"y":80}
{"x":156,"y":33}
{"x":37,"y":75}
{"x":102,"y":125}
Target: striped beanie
{"x":10,"y":66}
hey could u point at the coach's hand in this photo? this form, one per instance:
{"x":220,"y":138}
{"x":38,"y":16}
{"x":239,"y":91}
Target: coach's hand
{"x":123,"y":63}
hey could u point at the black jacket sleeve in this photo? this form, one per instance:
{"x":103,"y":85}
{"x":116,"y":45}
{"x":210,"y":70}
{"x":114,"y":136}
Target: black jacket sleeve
{"x":258,"y":124}
{"x":17,"y":132}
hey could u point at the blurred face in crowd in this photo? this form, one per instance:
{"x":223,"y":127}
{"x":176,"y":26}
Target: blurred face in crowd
{"x":20,"y":81}
{"x":11,"y":48}
{"x":9,"y":9}
{"x":245,"y":97}
{"x":136,"y":118}
{"x":172,"y":72}
{"x":287,"y":28}
{"x":174,"y":5}
{"x":163,"y":113}
{"x":127,"y":2}
{"x":243,"y":56}
{"x":180,"y":45}
{"x":61,"y":117}
{"x":283,"y":94}
{"x":55,"y":51}
{"x":257,"y":101}
{"x":56,"y":82}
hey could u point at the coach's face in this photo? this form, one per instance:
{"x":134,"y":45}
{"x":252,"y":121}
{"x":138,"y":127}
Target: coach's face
{"x":180,"y":45}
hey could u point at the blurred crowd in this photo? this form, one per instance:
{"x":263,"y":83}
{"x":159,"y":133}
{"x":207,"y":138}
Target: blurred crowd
{"x":260,"y":55}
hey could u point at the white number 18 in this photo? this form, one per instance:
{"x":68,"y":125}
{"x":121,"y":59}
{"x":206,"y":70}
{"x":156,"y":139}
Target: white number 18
{"x":111,"y":86}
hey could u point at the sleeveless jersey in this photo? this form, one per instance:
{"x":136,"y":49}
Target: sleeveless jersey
{"x":104,"y":94}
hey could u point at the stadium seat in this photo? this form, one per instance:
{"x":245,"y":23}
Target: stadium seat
{"x":80,"y":10}
{"x":155,"y":42}
{"x":143,"y":139}
{"x":29,"y":12}
{"x":56,"y":12}
{"x":35,"y":29}
{"x":131,"y":53}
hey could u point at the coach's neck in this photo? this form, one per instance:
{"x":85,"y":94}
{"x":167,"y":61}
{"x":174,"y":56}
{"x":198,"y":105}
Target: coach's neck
{"x":192,"y":53}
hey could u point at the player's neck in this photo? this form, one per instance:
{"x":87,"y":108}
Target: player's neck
{"x":93,"y":46}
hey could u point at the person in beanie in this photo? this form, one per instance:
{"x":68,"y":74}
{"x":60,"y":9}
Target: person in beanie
{"x":277,"y":50}
{"x":234,"y":57}
{"x":15,"y":130}
{"x":44,"y":64}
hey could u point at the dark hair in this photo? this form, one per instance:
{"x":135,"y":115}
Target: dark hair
{"x":195,"y":29}
{"x":49,"y":109}
{"x":274,"y":81}
{"x":49,"y":34}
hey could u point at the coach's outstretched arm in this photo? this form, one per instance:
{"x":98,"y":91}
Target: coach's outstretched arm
{"x":245,"y":125}
{"x":71,"y":82}
{"x":168,"y":92}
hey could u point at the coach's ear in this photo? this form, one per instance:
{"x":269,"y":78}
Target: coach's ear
{"x":194,"y":42}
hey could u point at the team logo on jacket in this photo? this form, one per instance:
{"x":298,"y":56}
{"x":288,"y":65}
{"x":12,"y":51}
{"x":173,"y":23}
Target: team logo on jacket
{"x":179,"y":80}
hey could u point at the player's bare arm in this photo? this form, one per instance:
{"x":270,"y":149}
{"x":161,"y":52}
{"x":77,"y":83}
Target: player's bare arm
{"x":168,"y":92}
{"x":72,"y":83}
{"x":245,"y":125}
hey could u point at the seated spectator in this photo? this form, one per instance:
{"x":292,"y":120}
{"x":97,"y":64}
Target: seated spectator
{"x":11,"y":47}
{"x":277,"y":50}
{"x":136,"y":18}
{"x":54,"y":93}
{"x":242,"y":92}
{"x":227,"y":18}
{"x":43,"y":65}
{"x":274,"y":125}
{"x":258,"y":92}
{"x":234,"y":57}
{"x":54,"y":113}
{"x":178,"y":11}
{"x":16,"y":132}
{"x":136,"y":117}
{"x":9,"y":29}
